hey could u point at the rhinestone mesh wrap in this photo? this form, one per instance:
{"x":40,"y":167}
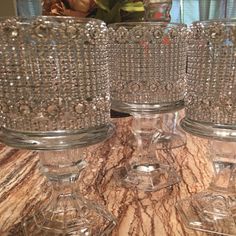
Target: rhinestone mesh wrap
{"x":211,"y":73}
{"x":148,"y":62}
{"x":54,"y":74}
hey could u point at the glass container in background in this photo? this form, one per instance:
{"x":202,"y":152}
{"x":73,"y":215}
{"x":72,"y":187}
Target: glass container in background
{"x":211,"y":113}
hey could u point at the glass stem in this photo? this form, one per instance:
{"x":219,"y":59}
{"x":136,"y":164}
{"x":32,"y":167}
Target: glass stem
{"x":64,"y":188}
{"x":62,"y":168}
{"x":224,"y":164}
{"x":144,"y":126}
{"x":225,"y":179}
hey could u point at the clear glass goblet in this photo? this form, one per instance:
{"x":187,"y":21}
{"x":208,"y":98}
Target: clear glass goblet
{"x":211,"y":113}
{"x":147,"y":65}
{"x":55,"y":98}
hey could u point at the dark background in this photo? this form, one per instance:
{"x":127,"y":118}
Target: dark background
{"x":7,"y":8}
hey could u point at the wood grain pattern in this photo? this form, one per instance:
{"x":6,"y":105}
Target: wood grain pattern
{"x":23,"y":188}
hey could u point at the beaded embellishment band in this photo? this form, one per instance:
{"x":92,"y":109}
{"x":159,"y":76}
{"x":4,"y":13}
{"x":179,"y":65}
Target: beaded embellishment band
{"x":54,"y":74}
{"x":148,"y":62}
{"x":211,"y":73}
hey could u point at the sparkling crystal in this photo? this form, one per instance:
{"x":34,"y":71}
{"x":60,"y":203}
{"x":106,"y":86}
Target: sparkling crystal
{"x":80,"y":108}
{"x":169,"y":86}
{"x":14,"y":33}
{"x":53,"y":110}
{"x":100,"y":105}
{"x":11,"y":31}
{"x":137,"y":33}
{"x":25,"y":109}
{"x":227,"y":104}
{"x":71,"y":31}
{"x":135,"y":87}
{"x":41,"y":30}
{"x":173,"y":33}
{"x":216,"y":32}
{"x":153,"y":87}
{"x":3,"y":107}
{"x":122,"y":34}
{"x":158,"y":33}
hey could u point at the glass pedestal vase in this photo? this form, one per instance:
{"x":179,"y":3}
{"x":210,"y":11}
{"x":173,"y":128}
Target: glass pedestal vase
{"x":211,"y":113}
{"x":214,"y":210}
{"x":148,"y":64}
{"x":48,"y":105}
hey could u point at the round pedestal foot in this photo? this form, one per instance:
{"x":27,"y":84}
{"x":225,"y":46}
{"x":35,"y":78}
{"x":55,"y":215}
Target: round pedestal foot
{"x":209,"y":212}
{"x":70,"y":215}
{"x":146,"y":177}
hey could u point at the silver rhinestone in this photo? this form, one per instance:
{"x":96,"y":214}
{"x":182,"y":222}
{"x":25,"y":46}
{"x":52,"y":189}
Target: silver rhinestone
{"x":135,"y":87}
{"x":80,"y":108}
{"x":53,"y":110}
{"x":24,"y":109}
{"x":122,"y":34}
{"x":173,"y":33}
{"x":3,"y":107}
{"x":41,"y":31}
{"x":100,"y":105}
{"x":169,"y":86}
{"x":71,"y":31}
{"x":14,"y":33}
{"x":153,"y":87}
{"x":137,"y":34}
{"x":158,"y":33}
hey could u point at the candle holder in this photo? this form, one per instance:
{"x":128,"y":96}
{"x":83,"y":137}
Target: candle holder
{"x":148,"y":63}
{"x":211,"y":113}
{"x":55,"y":98}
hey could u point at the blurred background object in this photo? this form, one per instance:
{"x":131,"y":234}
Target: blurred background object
{"x":29,"y":7}
{"x":157,"y":10}
{"x":106,"y":10}
{"x":8,"y":8}
{"x":187,"y":11}
{"x":182,"y":11}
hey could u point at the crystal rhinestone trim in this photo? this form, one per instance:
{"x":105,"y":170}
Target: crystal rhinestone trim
{"x":211,"y":73}
{"x":148,"y":62}
{"x":54,"y":74}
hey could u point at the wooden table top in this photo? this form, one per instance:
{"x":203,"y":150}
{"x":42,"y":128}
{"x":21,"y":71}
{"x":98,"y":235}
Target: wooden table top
{"x":23,"y":188}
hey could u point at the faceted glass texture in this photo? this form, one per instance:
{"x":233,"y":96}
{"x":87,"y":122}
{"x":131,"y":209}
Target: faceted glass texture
{"x":54,"y":74}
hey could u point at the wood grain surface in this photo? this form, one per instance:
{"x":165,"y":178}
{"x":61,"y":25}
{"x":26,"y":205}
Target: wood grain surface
{"x":23,"y":188}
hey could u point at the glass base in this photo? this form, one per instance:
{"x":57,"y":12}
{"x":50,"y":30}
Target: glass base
{"x":146,"y":177}
{"x":147,"y":108}
{"x":56,"y":140}
{"x":207,"y":130}
{"x":70,"y":215}
{"x":209,"y":212}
